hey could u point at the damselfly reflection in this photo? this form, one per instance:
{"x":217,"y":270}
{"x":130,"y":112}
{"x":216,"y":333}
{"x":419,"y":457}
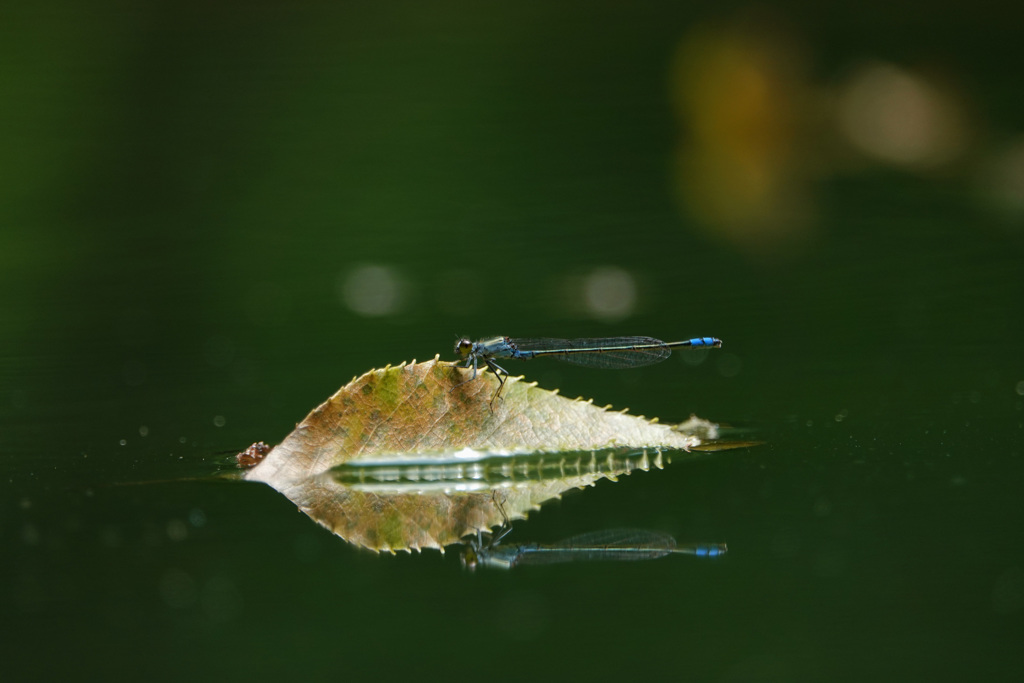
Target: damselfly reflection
{"x":612,"y":544}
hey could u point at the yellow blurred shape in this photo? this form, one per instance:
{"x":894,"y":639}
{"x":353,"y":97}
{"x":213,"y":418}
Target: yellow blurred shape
{"x":738,"y":95}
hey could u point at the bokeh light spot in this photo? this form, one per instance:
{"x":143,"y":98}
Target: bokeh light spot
{"x":1003,"y":181}
{"x":896,"y":116}
{"x":609,"y":293}
{"x":372,"y":290}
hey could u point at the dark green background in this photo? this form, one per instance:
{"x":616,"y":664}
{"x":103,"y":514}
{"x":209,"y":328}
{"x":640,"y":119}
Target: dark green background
{"x":183,"y":187}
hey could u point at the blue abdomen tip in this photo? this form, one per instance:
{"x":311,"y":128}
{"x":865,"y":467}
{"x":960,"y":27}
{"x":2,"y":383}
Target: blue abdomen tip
{"x":699,"y":342}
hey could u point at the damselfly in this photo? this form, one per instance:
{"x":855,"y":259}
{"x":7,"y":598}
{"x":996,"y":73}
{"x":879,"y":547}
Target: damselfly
{"x":609,"y":353}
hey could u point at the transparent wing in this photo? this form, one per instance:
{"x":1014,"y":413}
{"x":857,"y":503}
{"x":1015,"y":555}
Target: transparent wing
{"x":611,"y":544}
{"x":611,"y":353}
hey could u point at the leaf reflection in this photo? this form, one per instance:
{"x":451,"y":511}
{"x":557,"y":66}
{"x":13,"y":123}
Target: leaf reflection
{"x":409,"y":457}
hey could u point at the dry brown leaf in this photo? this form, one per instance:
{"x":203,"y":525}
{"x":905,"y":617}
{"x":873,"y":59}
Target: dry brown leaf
{"x":412,"y":456}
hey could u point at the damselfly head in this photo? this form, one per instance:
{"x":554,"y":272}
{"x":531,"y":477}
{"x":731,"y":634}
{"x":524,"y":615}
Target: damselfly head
{"x":463,"y":347}
{"x":470,"y":559}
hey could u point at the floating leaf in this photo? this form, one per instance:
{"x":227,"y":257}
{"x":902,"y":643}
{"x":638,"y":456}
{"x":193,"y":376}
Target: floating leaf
{"x":413,"y":456}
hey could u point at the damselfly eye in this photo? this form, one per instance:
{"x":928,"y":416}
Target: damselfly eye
{"x":463,"y":347}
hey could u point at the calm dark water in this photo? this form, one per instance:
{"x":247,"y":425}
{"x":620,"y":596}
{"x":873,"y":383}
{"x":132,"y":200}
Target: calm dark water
{"x":214,"y":218}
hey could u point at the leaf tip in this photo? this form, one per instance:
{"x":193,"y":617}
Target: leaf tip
{"x":253,"y":455}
